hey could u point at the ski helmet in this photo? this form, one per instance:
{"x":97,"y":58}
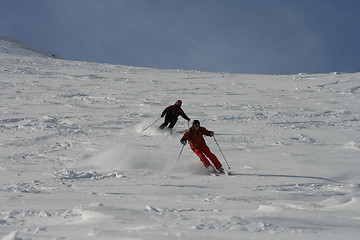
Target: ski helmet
{"x":196,"y":123}
{"x":178,"y":103}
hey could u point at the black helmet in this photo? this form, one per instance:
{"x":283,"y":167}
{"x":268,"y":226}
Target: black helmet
{"x":196,"y":123}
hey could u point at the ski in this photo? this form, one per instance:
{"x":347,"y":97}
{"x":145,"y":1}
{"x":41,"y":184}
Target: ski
{"x":226,"y":173}
{"x":216,"y":173}
{"x":181,"y":131}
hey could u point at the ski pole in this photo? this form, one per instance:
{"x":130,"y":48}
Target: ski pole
{"x":221,"y":153}
{"x":150,"y":125}
{"x":180,"y":154}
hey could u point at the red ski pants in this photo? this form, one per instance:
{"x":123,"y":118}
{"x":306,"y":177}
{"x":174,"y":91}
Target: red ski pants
{"x":203,"y":153}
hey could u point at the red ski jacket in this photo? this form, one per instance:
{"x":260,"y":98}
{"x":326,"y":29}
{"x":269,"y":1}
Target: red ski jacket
{"x":196,"y":137}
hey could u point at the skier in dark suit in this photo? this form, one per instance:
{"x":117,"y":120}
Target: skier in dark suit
{"x":171,"y":114}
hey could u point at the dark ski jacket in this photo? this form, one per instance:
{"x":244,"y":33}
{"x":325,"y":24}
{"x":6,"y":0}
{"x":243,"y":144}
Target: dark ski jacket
{"x":173,"y":112}
{"x":196,"y":137}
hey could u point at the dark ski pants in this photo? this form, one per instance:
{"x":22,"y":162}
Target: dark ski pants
{"x":204,"y":153}
{"x":172,"y":122}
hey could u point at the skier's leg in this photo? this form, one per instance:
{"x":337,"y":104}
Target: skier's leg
{"x":162,"y":126}
{"x":172,"y":123}
{"x":211,"y":156}
{"x":166,"y":122}
{"x":202,"y":157}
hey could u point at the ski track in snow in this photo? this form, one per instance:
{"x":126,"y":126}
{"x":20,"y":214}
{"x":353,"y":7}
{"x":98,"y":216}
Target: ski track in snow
{"x":74,"y":166}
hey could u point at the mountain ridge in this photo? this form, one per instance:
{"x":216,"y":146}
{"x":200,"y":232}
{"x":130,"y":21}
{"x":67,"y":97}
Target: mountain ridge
{"x":9,"y":45}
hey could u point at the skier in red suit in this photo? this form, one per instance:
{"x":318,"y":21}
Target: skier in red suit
{"x":198,"y":145}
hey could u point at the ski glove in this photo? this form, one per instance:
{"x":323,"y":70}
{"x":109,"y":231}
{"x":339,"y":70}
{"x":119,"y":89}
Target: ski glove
{"x":183,"y":142}
{"x":211,"y":134}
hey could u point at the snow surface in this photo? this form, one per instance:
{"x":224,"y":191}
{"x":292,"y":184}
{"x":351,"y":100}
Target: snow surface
{"x":74,"y":166}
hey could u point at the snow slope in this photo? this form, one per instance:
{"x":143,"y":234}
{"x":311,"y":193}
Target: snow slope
{"x":74,"y":166}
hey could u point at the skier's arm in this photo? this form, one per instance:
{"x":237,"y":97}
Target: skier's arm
{"x":184,"y":115}
{"x":207,"y":132}
{"x":164,"y":112}
{"x":186,"y":136}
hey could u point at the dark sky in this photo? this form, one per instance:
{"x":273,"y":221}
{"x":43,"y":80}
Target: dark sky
{"x":238,"y":36}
